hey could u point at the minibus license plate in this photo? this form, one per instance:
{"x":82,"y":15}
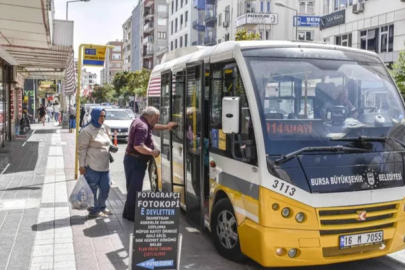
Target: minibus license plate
{"x":363,"y":239}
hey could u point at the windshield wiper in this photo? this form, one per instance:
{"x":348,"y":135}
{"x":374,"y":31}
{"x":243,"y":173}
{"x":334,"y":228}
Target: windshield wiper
{"x":369,"y":139}
{"x":338,"y":148}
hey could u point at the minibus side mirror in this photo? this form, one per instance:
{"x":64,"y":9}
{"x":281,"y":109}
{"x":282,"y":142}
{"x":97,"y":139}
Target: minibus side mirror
{"x":230,"y":115}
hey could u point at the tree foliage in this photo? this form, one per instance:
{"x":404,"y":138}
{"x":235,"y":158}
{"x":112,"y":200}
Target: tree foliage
{"x":105,"y":93}
{"x":398,"y":72}
{"x":244,"y":35}
{"x":131,"y":83}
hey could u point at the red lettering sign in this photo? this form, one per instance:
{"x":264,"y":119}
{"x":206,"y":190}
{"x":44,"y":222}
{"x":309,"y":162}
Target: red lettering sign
{"x":289,"y":128}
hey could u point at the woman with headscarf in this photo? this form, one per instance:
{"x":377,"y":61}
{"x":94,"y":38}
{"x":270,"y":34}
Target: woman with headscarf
{"x":42,"y":114}
{"x":94,"y":160}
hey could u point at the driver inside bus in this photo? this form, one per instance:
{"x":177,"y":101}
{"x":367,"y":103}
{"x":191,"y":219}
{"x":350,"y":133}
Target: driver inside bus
{"x":342,"y":99}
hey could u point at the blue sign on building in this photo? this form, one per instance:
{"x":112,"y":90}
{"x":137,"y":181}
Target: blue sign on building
{"x":307,"y":21}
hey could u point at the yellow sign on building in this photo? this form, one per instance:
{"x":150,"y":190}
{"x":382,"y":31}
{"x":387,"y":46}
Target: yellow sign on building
{"x":94,"y":56}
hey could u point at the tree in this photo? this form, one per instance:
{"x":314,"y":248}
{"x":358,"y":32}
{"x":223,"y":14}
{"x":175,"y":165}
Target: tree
{"x":105,"y":93}
{"x":138,"y":82}
{"x":120,"y":83}
{"x":398,"y":72}
{"x":244,"y":35}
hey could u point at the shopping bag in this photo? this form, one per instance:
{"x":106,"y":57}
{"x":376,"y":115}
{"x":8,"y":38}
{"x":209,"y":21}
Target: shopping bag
{"x":82,"y":197}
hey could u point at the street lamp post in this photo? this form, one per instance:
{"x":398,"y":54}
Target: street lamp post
{"x":67,"y":6}
{"x":280,"y":4}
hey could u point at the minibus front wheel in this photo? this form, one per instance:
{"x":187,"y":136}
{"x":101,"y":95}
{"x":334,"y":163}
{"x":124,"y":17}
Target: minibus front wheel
{"x":224,"y":230}
{"x":153,"y":176}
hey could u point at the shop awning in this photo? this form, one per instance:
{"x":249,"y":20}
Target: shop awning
{"x":41,"y":46}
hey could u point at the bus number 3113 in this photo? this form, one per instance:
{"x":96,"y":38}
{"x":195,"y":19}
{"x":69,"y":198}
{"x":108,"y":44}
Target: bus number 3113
{"x":284,"y":187}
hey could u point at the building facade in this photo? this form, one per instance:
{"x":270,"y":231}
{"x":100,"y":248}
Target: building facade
{"x":113,"y":61}
{"x":372,"y":25}
{"x":154,"y":32}
{"x":88,"y":78}
{"x":127,"y":39}
{"x":205,"y":22}
{"x":136,"y":45}
{"x":181,"y":33}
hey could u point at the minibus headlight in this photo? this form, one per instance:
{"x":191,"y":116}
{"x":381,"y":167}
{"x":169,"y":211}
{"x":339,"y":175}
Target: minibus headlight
{"x":300,"y":217}
{"x":286,"y":212}
{"x":292,"y":253}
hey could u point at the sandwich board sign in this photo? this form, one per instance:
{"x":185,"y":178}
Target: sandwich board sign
{"x":156,"y":243}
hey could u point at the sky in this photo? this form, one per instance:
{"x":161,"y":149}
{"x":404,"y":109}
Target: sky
{"x":96,"y":22}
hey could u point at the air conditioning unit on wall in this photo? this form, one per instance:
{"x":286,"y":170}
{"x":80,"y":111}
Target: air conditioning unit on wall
{"x":226,"y":24}
{"x":358,"y":8}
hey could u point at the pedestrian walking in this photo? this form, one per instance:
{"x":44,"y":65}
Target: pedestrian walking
{"x":42,"y":113}
{"x":140,"y":150}
{"x":94,"y":160}
{"x":72,"y":118}
{"x":49,"y":111}
{"x":56,"y":110}
{"x":82,"y":114}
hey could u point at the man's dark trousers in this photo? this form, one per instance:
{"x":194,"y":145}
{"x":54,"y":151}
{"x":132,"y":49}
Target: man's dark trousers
{"x":135,"y":169}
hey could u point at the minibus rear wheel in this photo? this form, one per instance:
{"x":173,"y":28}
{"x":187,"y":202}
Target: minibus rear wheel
{"x":224,"y":230}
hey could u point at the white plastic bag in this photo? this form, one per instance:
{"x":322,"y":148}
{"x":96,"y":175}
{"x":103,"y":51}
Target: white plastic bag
{"x":82,"y":197}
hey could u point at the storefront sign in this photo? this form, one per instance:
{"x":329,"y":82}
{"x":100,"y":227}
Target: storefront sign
{"x":256,"y":18}
{"x":19,"y":104}
{"x":29,"y":93}
{"x":156,"y":231}
{"x":307,"y":21}
{"x":47,"y":86}
{"x":333,"y":19}
{"x":94,"y":56}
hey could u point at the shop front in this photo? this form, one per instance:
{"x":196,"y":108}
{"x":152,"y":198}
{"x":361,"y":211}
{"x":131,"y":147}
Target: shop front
{"x":5,"y":88}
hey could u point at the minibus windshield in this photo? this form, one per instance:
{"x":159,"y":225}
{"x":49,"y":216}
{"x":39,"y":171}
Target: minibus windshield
{"x":308,"y":102}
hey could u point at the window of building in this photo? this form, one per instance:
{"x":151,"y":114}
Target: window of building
{"x":162,"y":8}
{"x":268,"y":5}
{"x":306,"y":7}
{"x":175,"y":44}
{"x":220,"y":19}
{"x":162,"y":35}
{"x":181,"y":4}
{"x":117,"y":49}
{"x":342,"y":4}
{"x":306,"y":35}
{"x":378,"y":40}
{"x":172,"y":7}
{"x":181,"y":21}
{"x":227,"y":13}
{"x":116,"y":56}
{"x":171,"y":28}
{"x":177,"y":5}
{"x":267,"y":34}
{"x":181,"y":42}
{"x":186,"y":17}
{"x":185,"y":40}
{"x":261,"y":6}
{"x":250,"y":6}
{"x":171,"y":46}
{"x":344,"y":40}
{"x":162,"y":21}
{"x":219,"y":41}
{"x":326,"y":7}
{"x":175,"y":25}
{"x":186,"y":2}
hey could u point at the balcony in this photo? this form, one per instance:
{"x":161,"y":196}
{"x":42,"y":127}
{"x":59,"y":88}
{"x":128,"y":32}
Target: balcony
{"x":148,"y":53}
{"x":149,"y":3}
{"x":199,"y":4}
{"x":210,"y":40}
{"x":148,"y":27}
{"x":148,"y":13}
{"x":147,"y":65}
{"x":161,"y":51}
{"x":147,"y":40}
{"x":210,"y":17}
{"x":199,"y":25}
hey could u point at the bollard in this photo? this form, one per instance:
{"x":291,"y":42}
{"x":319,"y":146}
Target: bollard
{"x":115,"y":138}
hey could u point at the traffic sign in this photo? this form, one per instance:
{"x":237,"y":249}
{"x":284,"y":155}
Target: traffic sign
{"x":94,"y":56}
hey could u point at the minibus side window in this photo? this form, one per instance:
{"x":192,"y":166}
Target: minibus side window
{"x":155,"y":102}
{"x":226,"y":81}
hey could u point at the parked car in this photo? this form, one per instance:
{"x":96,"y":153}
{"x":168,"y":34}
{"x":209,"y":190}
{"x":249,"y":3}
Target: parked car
{"x":130,"y":113}
{"x":118,"y":120}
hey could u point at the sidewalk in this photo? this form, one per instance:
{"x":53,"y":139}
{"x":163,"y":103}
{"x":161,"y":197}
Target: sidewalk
{"x":39,"y":230}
